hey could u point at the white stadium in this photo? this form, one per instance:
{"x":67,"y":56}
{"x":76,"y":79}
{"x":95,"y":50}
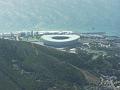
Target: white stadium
{"x":60,"y":40}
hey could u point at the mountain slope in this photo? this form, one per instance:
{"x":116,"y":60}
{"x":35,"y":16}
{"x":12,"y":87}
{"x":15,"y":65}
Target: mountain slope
{"x":26,"y":66}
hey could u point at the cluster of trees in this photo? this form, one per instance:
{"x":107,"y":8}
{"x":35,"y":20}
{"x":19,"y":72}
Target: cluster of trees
{"x":42,"y":68}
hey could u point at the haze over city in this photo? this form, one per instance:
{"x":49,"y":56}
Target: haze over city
{"x":75,"y":15}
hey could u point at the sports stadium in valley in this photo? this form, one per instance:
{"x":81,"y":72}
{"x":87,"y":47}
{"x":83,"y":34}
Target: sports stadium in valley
{"x":60,"y":40}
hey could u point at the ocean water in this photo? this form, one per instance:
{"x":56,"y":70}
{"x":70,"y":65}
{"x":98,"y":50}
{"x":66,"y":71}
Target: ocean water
{"x":75,"y":15}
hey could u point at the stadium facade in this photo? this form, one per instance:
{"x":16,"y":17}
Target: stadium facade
{"x":60,"y":40}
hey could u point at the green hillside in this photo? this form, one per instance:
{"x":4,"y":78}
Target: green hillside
{"x":26,"y":66}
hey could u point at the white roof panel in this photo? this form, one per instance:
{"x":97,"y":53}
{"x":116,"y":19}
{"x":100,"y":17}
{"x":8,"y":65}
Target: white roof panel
{"x":70,"y":38}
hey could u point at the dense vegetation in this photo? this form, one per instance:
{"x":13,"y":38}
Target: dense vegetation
{"x":26,"y":66}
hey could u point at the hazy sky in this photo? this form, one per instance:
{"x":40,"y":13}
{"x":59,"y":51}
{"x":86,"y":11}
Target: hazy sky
{"x":102,"y":15}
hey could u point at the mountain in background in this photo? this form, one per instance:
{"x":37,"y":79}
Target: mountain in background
{"x":76,"y":15}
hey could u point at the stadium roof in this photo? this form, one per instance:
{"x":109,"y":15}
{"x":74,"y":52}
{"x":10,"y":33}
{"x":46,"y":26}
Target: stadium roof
{"x":60,"y":38}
